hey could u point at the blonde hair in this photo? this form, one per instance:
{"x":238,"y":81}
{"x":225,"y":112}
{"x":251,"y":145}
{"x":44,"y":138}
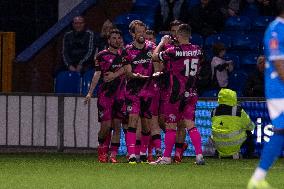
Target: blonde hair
{"x":107,"y":26}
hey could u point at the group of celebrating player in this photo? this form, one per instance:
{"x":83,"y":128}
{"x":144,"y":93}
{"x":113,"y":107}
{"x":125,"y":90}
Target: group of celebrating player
{"x":147,"y":88}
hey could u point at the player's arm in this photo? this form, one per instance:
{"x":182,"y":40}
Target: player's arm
{"x":110,"y":76}
{"x":165,"y":40}
{"x":94,"y":82}
{"x":279,"y":65}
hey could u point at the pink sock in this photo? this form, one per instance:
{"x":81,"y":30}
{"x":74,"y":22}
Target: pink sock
{"x":138,"y":147}
{"x":150,"y":147}
{"x":178,"y":151}
{"x":156,"y":143}
{"x":170,"y":139}
{"x":131,"y":141}
{"x":114,"y":150}
{"x":196,"y":140}
{"x":145,"y":140}
{"x":107,"y":143}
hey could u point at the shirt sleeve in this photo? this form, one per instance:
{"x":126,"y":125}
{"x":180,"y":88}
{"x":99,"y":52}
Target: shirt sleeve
{"x":98,"y":61}
{"x":167,"y":54}
{"x":275,"y":44}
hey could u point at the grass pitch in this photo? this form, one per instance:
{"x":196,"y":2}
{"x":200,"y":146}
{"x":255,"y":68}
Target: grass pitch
{"x":52,"y":171}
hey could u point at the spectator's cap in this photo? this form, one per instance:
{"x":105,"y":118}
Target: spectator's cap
{"x":227,"y":97}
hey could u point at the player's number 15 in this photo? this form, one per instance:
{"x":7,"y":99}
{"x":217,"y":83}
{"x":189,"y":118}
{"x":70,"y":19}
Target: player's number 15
{"x":190,"y":67}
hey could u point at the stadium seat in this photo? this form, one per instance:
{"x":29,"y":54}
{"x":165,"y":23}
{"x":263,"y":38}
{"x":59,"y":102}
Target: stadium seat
{"x":125,"y":19}
{"x":238,"y":23}
{"x":127,"y":38}
{"x":249,"y":59}
{"x":237,"y":81}
{"x":197,"y":39}
{"x":68,"y":82}
{"x":210,"y":93}
{"x":250,"y":10}
{"x":218,"y":38}
{"x":86,"y":82}
{"x":245,"y":42}
{"x":260,"y":23}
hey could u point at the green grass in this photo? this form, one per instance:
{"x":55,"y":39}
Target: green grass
{"x":35,"y":171}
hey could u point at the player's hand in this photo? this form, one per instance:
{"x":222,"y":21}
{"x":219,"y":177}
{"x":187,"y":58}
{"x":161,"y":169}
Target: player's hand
{"x":87,"y":98}
{"x":109,"y":76}
{"x":166,"y":39}
{"x":156,"y":74}
{"x":138,"y":75}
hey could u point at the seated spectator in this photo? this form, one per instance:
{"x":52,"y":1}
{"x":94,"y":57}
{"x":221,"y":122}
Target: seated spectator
{"x":229,"y":7}
{"x":231,"y":127}
{"x":102,"y":39}
{"x":78,"y":47}
{"x":255,"y":83}
{"x":220,"y":68}
{"x":168,"y":11}
{"x":266,"y":7}
{"x":206,"y":18}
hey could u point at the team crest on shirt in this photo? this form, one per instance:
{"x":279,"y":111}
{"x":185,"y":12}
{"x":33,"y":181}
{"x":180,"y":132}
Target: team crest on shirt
{"x":149,"y":54}
{"x":273,"y":43}
{"x":129,"y":108}
{"x":186,"y":94}
{"x":172,"y":117}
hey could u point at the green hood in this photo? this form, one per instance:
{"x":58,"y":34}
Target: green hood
{"x":227,"y":97}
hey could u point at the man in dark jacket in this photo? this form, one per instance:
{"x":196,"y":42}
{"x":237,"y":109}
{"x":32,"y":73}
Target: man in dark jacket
{"x":78,"y":46}
{"x":255,"y":83}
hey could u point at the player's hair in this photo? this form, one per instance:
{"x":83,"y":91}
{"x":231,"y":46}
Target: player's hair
{"x":280,"y":6}
{"x":184,"y":29}
{"x":151,"y":32}
{"x":114,"y":31}
{"x":217,"y":48}
{"x":175,"y":23}
{"x":135,"y":23}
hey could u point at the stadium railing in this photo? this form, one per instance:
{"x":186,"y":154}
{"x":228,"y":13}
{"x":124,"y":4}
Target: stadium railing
{"x":62,"y":122}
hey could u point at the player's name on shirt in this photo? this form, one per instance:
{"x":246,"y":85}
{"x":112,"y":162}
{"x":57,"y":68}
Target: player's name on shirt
{"x":142,"y":61}
{"x":188,"y":53}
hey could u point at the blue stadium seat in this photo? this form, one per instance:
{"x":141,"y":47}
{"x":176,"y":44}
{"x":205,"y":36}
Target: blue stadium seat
{"x":237,"y":81}
{"x":210,"y":93}
{"x":249,"y":59}
{"x":68,"y":82}
{"x":218,"y":38}
{"x":197,"y":39}
{"x":127,"y":38}
{"x":245,"y":42}
{"x":260,"y":23}
{"x":125,"y":19}
{"x":149,"y":3}
{"x":86,"y":82}
{"x":238,"y":23}
{"x":250,"y":10}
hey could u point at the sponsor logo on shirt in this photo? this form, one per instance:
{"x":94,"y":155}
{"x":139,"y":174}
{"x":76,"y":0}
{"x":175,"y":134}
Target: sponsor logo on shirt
{"x":188,"y":53}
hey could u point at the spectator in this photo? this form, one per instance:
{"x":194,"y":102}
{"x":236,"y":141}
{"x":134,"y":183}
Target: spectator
{"x":266,"y":7}
{"x":231,"y":126}
{"x":229,"y":7}
{"x":102,"y":42}
{"x":168,"y":11}
{"x":220,"y":68}
{"x":78,"y":46}
{"x":255,"y":83}
{"x":206,"y":18}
